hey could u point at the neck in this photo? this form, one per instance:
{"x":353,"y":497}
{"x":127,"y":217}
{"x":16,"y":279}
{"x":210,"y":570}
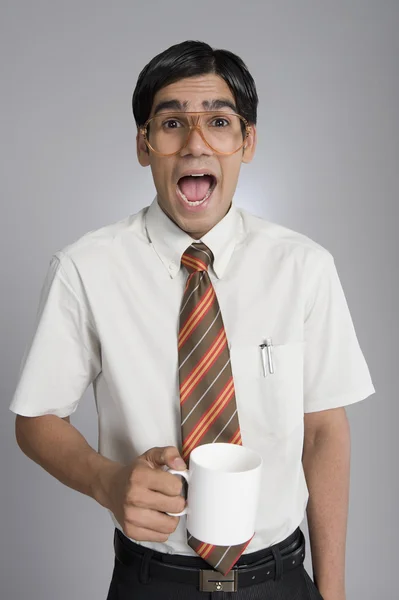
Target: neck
{"x":196,"y":235}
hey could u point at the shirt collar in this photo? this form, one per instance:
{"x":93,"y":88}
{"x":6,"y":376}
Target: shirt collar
{"x":169,"y":241}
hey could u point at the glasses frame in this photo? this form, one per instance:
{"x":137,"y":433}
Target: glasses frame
{"x":197,"y":126}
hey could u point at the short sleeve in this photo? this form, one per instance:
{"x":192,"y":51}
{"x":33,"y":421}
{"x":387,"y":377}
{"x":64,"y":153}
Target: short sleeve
{"x":335,"y":370}
{"x":63,"y":356}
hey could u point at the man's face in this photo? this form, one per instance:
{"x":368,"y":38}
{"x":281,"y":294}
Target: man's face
{"x":199,"y":215}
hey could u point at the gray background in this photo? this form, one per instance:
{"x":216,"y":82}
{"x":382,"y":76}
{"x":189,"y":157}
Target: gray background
{"x":326,"y":165}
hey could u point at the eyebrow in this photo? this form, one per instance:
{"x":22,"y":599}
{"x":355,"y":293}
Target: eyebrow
{"x":216,"y":104}
{"x":219,"y":103}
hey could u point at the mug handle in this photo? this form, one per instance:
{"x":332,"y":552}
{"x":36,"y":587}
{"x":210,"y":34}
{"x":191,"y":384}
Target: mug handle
{"x":186,"y":476}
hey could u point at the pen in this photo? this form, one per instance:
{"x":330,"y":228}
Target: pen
{"x":269,"y":347}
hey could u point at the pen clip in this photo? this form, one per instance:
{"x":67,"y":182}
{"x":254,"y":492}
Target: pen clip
{"x":263,"y":355}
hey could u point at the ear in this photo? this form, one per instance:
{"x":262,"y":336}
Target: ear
{"x":250,"y":145}
{"x":143,"y":153}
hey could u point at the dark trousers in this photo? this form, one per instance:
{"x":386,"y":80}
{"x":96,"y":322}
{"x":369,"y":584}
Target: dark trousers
{"x":129,"y":583}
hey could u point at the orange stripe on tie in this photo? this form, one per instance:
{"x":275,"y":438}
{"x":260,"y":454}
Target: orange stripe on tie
{"x":207,"y":551}
{"x":208,"y":419}
{"x":196,"y":315}
{"x":236,"y":439}
{"x":198,"y":264}
{"x":193,"y":260}
{"x":204,"y":311}
{"x":203,"y":548}
{"x":209,"y":358}
{"x":216,"y":405}
{"x":200,"y":433}
{"x":200,"y":374}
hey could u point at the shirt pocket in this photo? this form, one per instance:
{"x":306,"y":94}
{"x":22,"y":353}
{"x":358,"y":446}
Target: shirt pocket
{"x":271,"y":403}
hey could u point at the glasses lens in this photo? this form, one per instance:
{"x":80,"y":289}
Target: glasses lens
{"x":168,"y":134}
{"x":224,"y":132}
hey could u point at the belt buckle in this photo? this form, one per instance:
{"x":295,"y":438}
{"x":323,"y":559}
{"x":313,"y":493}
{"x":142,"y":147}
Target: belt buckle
{"x":213,"y":581}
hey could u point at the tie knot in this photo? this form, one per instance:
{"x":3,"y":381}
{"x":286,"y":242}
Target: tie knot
{"x":197,"y":257}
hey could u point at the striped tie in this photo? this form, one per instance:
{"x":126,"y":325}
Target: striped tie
{"x":207,"y":397}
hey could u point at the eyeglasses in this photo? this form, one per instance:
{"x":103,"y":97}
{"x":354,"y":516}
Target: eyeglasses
{"x":167,"y":134}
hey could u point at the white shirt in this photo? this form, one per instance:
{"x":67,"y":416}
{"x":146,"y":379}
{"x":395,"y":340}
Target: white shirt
{"x":108,"y":315}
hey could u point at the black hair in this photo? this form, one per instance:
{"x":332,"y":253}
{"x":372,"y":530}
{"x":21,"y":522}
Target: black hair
{"x":191,"y":59}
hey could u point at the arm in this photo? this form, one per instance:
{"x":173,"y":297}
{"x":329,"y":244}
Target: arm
{"x":326,"y":463}
{"x":60,"y":449}
{"x":138,"y":494}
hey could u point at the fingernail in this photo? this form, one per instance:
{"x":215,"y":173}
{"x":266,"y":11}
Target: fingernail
{"x":179,"y":463}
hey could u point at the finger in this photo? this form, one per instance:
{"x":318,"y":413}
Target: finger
{"x":145,"y":535}
{"x":160,"y":502}
{"x":152,"y":519}
{"x":167,"y":455}
{"x":164,"y":482}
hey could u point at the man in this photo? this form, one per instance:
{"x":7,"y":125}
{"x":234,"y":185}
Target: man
{"x":260,"y":305}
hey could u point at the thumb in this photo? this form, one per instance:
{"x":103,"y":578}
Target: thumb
{"x":167,"y":455}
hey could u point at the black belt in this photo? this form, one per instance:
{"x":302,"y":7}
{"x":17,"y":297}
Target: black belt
{"x":272,"y":562}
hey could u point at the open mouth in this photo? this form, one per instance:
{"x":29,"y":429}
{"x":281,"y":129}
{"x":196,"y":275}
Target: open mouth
{"x":196,"y":188}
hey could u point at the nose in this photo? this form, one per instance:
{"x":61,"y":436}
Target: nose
{"x":196,"y":145}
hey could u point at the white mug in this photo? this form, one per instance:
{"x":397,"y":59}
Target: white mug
{"x":223,"y":493}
